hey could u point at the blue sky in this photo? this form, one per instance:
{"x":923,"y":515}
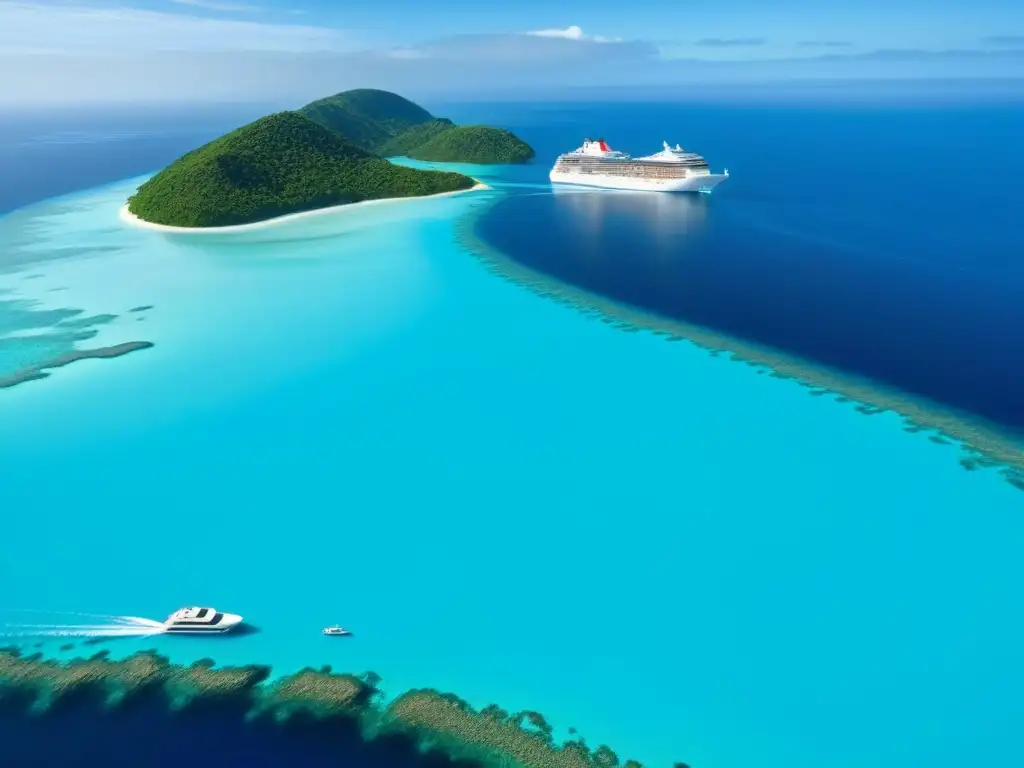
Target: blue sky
{"x":54,"y":51}
{"x":780,"y":23}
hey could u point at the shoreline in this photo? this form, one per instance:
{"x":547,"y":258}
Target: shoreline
{"x":130,"y":218}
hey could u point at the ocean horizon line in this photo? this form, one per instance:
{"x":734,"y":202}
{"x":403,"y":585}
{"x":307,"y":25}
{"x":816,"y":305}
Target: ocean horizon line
{"x":830,"y":88}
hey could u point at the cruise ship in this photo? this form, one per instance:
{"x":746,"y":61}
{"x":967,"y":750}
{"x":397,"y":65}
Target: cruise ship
{"x":673,"y":169}
{"x":200,"y":621}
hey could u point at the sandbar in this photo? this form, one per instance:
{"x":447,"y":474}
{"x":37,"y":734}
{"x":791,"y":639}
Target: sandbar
{"x":130,"y":218}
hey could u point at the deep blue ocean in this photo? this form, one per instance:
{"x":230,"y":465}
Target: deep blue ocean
{"x":505,"y":497}
{"x":883,"y":242}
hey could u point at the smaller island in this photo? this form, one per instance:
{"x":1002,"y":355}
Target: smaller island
{"x":328,"y":153}
{"x":441,"y":141}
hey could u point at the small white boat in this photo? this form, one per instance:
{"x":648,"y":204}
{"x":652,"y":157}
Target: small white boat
{"x":336,"y":630}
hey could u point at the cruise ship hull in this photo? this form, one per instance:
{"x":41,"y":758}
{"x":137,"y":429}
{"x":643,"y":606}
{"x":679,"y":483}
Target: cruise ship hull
{"x":692,"y":184}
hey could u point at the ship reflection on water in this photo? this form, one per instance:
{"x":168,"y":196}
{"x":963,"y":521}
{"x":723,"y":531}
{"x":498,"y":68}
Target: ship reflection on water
{"x":640,"y":248}
{"x":669,"y":220}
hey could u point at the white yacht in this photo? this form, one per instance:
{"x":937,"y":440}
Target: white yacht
{"x":200,"y":621}
{"x":336,"y":630}
{"x":673,"y":169}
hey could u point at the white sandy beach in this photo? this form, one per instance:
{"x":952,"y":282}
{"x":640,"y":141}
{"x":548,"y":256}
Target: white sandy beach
{"x":130,"y":218}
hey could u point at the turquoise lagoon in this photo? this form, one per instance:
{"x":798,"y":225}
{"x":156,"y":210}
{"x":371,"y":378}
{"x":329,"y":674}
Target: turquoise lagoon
{"x":349,"y":418}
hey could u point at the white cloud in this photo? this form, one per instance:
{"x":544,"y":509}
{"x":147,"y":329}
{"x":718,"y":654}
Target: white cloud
{"x":67,"y":28}
{"x":405,"y":53}
{"x":569,"y":33}
{"x":524,"y":50}
{"x":215,"y":5}
{"x":573,"y":33}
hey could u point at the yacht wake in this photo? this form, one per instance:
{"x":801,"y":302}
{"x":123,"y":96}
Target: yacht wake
{"x":78,"y":631}
{"x":111,"y":626}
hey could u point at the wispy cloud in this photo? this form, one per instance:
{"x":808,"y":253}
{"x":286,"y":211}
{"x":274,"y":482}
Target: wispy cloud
{"x":525,"y":50}
{"x":1004,"y":41}
{"x":573,"y":33}
{"x":68,"y":28}
{"x":735,"y":42}
{"x":215,"y":5}
{"x":406,"y":53}
{"x":824,"y":44}
{"x":1010,"y":55}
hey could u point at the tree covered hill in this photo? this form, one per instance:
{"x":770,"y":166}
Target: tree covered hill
{"x":365,"y":116}
{"x":389,"y":125}
{"x":404,"y":143}
{"x":279,"y":164}
{"x":472,"y":144}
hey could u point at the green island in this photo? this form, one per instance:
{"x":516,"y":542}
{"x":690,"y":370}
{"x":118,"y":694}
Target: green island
{"x":479,"y":144}
{"x":430,"y":720}
{"x":330,"y":152}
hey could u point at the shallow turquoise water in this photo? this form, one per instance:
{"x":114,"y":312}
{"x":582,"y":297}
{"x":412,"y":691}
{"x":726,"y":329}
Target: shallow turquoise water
{"x":349,"y":419}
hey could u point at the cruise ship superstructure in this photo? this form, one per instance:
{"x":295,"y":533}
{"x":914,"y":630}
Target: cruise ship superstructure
{"x":673,"y":169}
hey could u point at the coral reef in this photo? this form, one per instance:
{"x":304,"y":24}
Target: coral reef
{"x":419,"y":722}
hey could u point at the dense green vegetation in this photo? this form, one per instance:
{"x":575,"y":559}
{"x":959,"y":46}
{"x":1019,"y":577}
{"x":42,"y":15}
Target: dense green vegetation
{"x":473,"y":144}
{"x":388,"y":125}
{"x":366,"y":117}
{"x":279,"y":164}
{"x":407,"y":141}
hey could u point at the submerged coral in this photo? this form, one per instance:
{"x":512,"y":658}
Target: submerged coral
{"x":425,"y":726}
{"x":41,"y":370}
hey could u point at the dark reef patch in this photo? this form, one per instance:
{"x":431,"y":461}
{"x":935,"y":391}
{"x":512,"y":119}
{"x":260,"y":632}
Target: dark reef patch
{"x":142,"y":308}
{"x":1016,"y":479}
{"x":88,"y":322}
{"x":42,"y":370}
{"x":142,"y":710}
{"x":1000,"y":445}
{"x":23,"y":315}
{"x":22,"y":254}
{"x":34,"y":341}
